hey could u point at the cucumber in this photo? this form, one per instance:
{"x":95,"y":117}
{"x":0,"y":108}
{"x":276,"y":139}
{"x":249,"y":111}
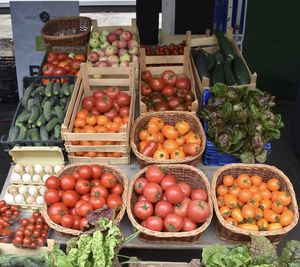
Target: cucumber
{"x":47,"y":111}
{"x":56,"y":89}
{"x":40,"y":121}
{"x":71,"y":87}
{"x":52,"y":136}
{"x":219,"y":56}
{"x":27,"y":136}
{"x":30,"y":103}
{"x":54,"y":100}
{"x":57,"y":131}
{"x":240,"y":71}
{"x":35,"y":113}
{"x":49,"y":89}
{"x":229,"y":77}
{"x":210,"y":61}
{"x":44,"y":134}
{"x":65,"y":89}
{"x":24,"y":116}
{"x":53,"y":113}
{"x":27,"y":94}
{"x":14,"y":132}
{"x":63,"y":102}
{"x":23,"y":131}
{"x":225,"y":45}
{"x":218,"y":74}
{"x":44,"y":101}
{"x":35,"y":136}
{"x":60,"y":114}
{"x":38,"y":91}
{"x":200,"y":63}
{"x":51,"y":124}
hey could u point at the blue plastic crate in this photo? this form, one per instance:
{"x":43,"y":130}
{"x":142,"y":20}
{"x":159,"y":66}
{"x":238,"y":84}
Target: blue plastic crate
{"x":211,"y":156}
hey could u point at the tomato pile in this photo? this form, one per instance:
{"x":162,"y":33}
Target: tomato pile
{"x":73,"y":196}
{"x":33,"y":232}
{"x":59,"y":64}
{"x":167,"y":92}
{"x":252,"y":204}
{"x":165,"y":141}
{"x":164,"y":204}
{"x":161,"y":50}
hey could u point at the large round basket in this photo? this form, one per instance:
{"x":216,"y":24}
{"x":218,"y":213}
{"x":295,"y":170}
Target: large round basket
{"x":67,"y":31}
{"x":227,"y":231}
{"x":169,"y":117}
{"x":183,"y":173}
{"x":71,"y":168}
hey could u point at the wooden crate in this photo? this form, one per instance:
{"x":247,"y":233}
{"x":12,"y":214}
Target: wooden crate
{"x":182,"y":66}
{"x":88,"y":79}
{"x":210,"y":44}
{"x":193,"y":263}
{"x":164,"y":38}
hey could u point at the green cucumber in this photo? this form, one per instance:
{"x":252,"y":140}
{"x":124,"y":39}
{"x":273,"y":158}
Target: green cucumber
{"x":52,"y":136}
{"x":210,"y":61}
{"x":35,"y":113}
{"x":54,"y":100}
{"x":60,"y":114}
{"x":65,"y":88}
{"x":240,"y":71}
{"x":38,"y":91}
{"x":57,"y":131}
{"x":63,"y":102}
{"x":47,"y":111}
{"x":40,"y":121}
{"x":225,"y":45}
{"x":229,"y":77}
{"x":200,"y":61}
{"x":35,"y":136}
{"x":51,"y":124}
{"x":43,"y":133}
{"x":23,"y":131}
{"x":56,"y":89}
{"x":44,"y":101}
{"x":30,"y":103}
{"x":14,"y":132}
{"x":24,"y":116}
{"x":27,"y":94}
{"x":49,"y":89}
{"x":28,"y":136}
{"x":37,"y":101}
{"x":218,"y":74}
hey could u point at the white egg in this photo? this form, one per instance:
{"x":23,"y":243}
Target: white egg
{"x":26,"y":178}
{"x":42,"y":191}
{"x":16,"y":177}
{"x":58,"y":168}
{"x":45,"y":177}
{"x":38,"y":168}
{"x":32,"y":190}
{"x":30,"y":200}
{"x":18,"y":168}
{"x":22,"y":189}
{"x":13,"y":190}
{"x":36,"y":178}
{"x":19,"y":199}
{"x":9,"y":198}
{"x":39,"y":200}
{"x":48,"y":169}
{"x":28,"y":169}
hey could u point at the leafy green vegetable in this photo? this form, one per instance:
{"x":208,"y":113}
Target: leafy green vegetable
{"x":97,"y":249}
{"x":290,"y":256}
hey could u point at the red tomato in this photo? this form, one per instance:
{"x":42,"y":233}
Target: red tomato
{"x":39,"y":227}
{"x":183,"y":83}
{"x":28,"y":232}
{"x":32,"y":220}
{"x":168,"y":181}
{"x":88,"y":103}
{"x":188,"y":225}
{"x":182,"y":207}
{"x":99,"y":191}
{"x":117,"y":189}
{"x":83,"y":223}
{"x":96,"y":171}
{"x":24,"y":222}
{"x":123,"y":99}
{"x":40,"y":220}
{"x":82,"y":186}
{"x":27,"y":241}
{"x":95,"y":182}
{"x":152,"y":192}
{"x":2,"y":203}
{"x":97,"y":203}
{"x":169,"y":77}
{"x":19,"y":233}
{"x":174,"y":194}
{"x":141,"y":198}
{"x":186,"y":189}
{"x":142,"y":210}
{"x":154,"y":174}
{"x":154,"y":223}
{"x":85,"y":197}
{"x":98,"y":93}
{"x":76,"y":224}
{"x":52,"y":182}
{"x":112,"y":114}
{"x":199,"y":194}
{"x":103,"y":104}
{"x":169,"y":90}
{"x":51,"y":196}
{"x":145,"y":89}
{"x":56,"y":211}
{"x":18,"y":240}
{"x":124,"y":111}
{"x":73,"y":211}
{"x":37,"y":233}
{"x":85,"y":172}
{"x":143,"y":223}
{"x":79,"y":202}
{"x":84,"y":209}
{"x":70,"y":197}
{"x":157,"y":84}
{"x":146,"y":75}
{"x":67,"y":221}
{"x":37,"y":214}
{"x":40,"y":241}
{"x":76,"y":175}
{"x":198,"y":211}
{"x":112,"y":92}
{"x":114,"y":201}
{"x":173,"y":222}
{"x":163,"y":208}
{"x":140,"y":184}
{"x":108,"y":180}
{"x":67,"y":182}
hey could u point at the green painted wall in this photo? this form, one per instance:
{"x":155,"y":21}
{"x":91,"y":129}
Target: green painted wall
{"x":272,"y":45}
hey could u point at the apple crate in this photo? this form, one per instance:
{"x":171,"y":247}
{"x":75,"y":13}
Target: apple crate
{"x":89,"y":79}
{"x":210,"y":44}
{"x":180,"y":64}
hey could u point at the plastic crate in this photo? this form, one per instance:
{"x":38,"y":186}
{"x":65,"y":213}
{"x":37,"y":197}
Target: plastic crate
{"x":8,"y":81}
{"x":7,"y":68}
{"x":211,"y":156}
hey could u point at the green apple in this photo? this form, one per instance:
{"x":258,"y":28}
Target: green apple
{"x":104,"y":44}
{"x":94,"y":42}
{"x":124,"y":58}
{"x":96,"y":35}
{"x":105,"y":33}
{"x":102,"y":38}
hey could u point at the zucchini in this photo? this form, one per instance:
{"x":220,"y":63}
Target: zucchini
{"x":14,"y":132}
{"x":200,"y":61}
{"x":225,"y":45}
{"x":44,"y":134}
{"x":47,"y":111}
{"x":240,"y":71}
{"x":24,"y":116}
{"x":57,"y":131}
{"x":65,"y":89}
{"x":56,"y":89}
{"x":49,"y":89}
{"x":229,"y":77}
{"x":54,"y":100}
{"x":218,"y":74}
{"x":23,"y":131}
{"x":51,"y":124}
{"x":27,"y":94}
{"x":40,"y":121}
{"x":35,"y":113}
{"x":38,"y":91}
{"x":60,"y":114}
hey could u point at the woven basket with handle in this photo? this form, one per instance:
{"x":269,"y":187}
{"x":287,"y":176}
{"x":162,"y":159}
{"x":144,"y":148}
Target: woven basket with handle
{"x":71,"y":168}
{"x":67,"y":31}
{"x":169,"y":117}
{"x":184,"y":173}
{"x":229,"y":232}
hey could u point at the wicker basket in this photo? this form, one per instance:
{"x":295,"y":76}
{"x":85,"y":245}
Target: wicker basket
{"x":69,"y":169}
{"x":184,"y":173}
{"x":169,"y":117}
{"x":67,"y":31}
{"x":229,"y":232}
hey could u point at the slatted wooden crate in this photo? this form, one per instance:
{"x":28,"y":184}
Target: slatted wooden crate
{"x":89,"y":79}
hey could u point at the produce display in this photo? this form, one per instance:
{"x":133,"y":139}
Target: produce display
{"x":9,"y":214}
{"x":162,"y":50}
{"x":32,"y":232}
{"x":224,"y":66}
{"x":251,"y":204}
{"x":165,"y":141}
{"x":44,"y":109}
{"x":240,"y":122}
{"x":60,"y":63}
{"x":110,"y":49}
{"x":164,"y":204}
{"x":167,"y":92}
{"x":73,"y":196}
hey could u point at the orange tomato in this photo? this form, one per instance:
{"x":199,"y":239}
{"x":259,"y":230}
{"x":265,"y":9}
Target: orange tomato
{"x":259,"y":214}
{"x":236,"y":214}
{"x":194,"y":138}
{"x":231,"y":201}
{"x":271,"y":216}
{"x":182,"y":127}
{"x":257,"y":196}
{"x":277,"y":207}
{"x":248,"y":211}
{"x":274,"y":196}
{"x":143,"y":135}
{"x":234,"y":190}
{"x":109,"y":154}
{"x":263,"y":185}
{"x":228,"y":180}
{"x":115,"y":127}
{"x":160,"y":146}
{"x":80,"y":57}
{"x":125,"y":119}
{"x":248,"y":226}
{"x":101,"y":154}
{"x":152,"y":137}
{"x":284,"y":197}
{"x":254,"y":202}
{"x":225,"y":212}
{"x":244,"y":181}
{"x":101,"y":129}
{"x":79,"y":154}
{"x":75,"y":143}
{"x":220,"y":201}
{"x":82,"y":114}
{"x":91,"y":120}
{"x":109,"y":142}
{"x":177,"y":154}
{"x":180,"y":140}
{"x":187,"y":135}
{"x":169,"y":132}
{"x":160,"y":137}
{"x":117,"y":154}
{"x":274,"y":226}
{"x":90,"y":154}
{"x":170,"y":146}
{"x":86,"y":143}
{"x":222,"y":190}
{"x":102,"y":120}
{"x":108,"y":125}
{"x":89,"y":129}
{"x":286,"y":217}
{"x":273,"y":184}
{"x":262,"y":224}
{"x":265,"y":204}
{"x":98,"y":143}
{"x":79,"y":123}
{"x":76,"y":130}
{"x":253,"y":189}
{"x":265,"y":193}
{"x":256,"y":180}
{"x":153,"y":127}
{"x":142,"y":145}
{"x":159,"y":121}
{"x":161,"y":154}
{"x":118,"y":120}
{"x":231,"y":221}
{"x":244,"y":195}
